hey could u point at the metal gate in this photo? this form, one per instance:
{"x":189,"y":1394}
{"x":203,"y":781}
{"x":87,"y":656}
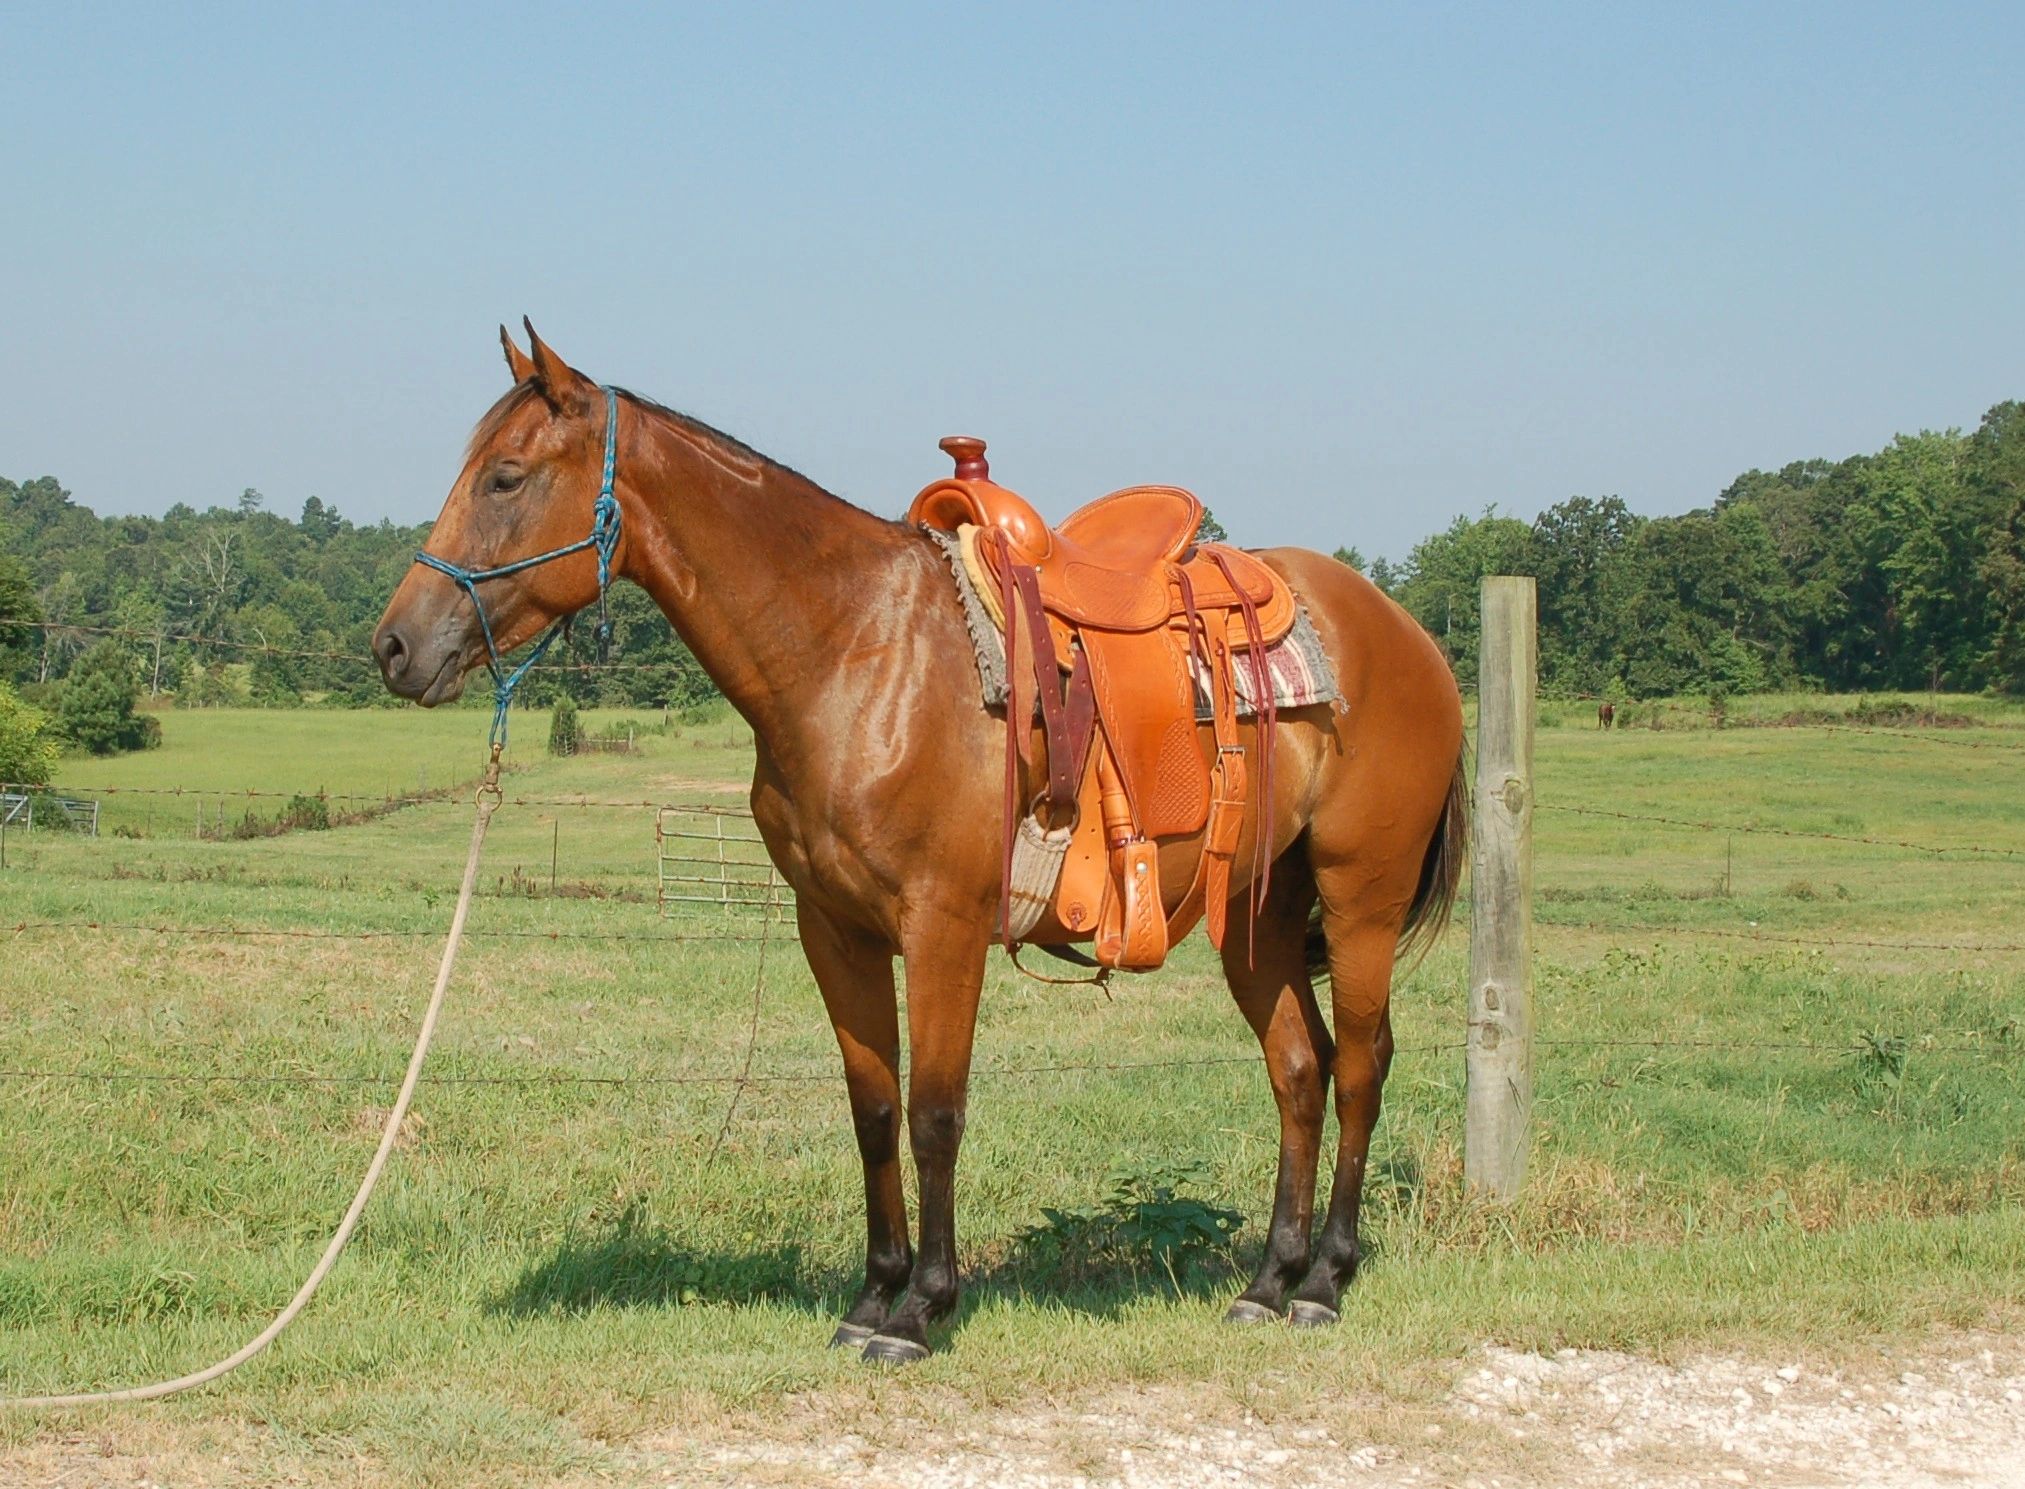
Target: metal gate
{"x":712,"y":857}
{"x":17,"y":809}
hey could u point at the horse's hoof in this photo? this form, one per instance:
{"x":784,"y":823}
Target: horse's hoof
{"x":850,"y":1336}
{"x":890,"y":1349}
{"x":1306,"y":1315}
{"x":1245,"y":1311}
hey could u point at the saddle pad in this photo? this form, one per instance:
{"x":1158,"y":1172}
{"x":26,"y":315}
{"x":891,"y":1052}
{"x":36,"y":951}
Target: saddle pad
{"x":1298,"y":669}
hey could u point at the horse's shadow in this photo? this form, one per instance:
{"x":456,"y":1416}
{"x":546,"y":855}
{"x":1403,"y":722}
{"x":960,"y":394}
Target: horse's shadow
{"x":634,"y":1265}
{"x":1106,"y":1289}
{"x":631,"y":1265}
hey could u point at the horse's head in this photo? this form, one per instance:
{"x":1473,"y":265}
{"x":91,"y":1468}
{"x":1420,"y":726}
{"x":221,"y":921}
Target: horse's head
{"x":529,"y":486}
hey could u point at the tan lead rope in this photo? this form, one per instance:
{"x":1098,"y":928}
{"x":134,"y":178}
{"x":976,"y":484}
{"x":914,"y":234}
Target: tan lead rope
{"x":488,"y":803}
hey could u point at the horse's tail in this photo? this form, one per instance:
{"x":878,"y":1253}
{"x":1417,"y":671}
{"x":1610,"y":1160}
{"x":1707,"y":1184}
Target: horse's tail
{"x":1434,"y":897}
{"x":1440,"y":870}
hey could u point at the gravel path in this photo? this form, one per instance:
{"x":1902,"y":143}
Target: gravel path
{"x":1949,"y":1412}
{"x":1952,"y":1416}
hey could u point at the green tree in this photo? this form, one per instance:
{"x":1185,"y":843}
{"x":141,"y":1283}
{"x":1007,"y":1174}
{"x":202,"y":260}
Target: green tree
{"x":320,"y":523}
{"x":95,"y":708}
{"x":1706,"y":609}
{"x":18,"y":614}
{"x":1442,"y":574}
{"x":1209,"y":530}
{"x":1995,"y":473}
{"x":28,"y":747}
{"x":562,"y":727}
{"x":1580,"y":549}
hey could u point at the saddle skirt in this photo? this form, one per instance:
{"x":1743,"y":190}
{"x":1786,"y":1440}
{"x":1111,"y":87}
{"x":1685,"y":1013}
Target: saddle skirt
{"x":1108,"y":621}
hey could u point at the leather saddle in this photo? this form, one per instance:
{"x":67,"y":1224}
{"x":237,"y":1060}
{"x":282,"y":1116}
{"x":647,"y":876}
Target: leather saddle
{"x":1109,"y":619}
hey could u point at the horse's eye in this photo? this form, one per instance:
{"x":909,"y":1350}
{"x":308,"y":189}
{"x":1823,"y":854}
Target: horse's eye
{"x":507,"y":479}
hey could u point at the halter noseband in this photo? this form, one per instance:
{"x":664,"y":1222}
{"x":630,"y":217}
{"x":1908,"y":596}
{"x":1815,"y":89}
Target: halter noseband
{"x":604,"y":537}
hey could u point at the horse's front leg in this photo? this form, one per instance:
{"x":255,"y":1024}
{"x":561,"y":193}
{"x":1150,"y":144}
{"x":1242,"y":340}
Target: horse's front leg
{"x":945,"y":970}
{"x":855,"y":973}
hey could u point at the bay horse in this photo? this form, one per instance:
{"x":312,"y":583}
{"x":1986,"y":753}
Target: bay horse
{"x":840,"y":638}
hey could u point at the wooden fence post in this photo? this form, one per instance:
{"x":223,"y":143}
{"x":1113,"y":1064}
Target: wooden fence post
{"x":1499,"y":1051}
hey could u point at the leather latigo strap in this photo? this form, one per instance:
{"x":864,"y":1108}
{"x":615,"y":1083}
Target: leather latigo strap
{"x":1107,"y":619}
{"x":1266,"y":717}
{"x":1068,"y":710}
{"x":1227,"y":778}
{"x":1018,"y":714}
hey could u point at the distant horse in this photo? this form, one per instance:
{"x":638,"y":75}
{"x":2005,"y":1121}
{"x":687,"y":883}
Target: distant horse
{"x":840,"y":638}
{"x":1606,"y":716}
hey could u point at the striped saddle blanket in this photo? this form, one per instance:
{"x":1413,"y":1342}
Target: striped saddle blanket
{"x":1297,"y":668}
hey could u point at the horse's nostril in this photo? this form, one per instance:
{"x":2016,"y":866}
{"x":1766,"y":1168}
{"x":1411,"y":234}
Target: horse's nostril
{"x":392,"y":652}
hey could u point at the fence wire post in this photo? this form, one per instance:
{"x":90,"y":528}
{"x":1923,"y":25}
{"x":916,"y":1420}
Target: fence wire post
{"x":1499,"y":1048}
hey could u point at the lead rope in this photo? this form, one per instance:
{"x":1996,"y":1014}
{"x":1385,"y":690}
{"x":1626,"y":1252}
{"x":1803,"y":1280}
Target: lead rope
{"x":488,"y":802}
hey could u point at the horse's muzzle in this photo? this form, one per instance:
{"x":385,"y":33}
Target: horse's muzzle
{"x":418,"y":668}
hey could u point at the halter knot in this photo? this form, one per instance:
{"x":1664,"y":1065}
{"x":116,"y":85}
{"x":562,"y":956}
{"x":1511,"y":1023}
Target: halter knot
{"x":604,"y":538}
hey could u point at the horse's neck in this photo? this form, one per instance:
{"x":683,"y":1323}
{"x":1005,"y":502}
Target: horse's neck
{"x":764,"y":575}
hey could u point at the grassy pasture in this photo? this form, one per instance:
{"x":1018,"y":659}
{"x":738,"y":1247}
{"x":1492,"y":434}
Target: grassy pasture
{"x":1813,"y":1143}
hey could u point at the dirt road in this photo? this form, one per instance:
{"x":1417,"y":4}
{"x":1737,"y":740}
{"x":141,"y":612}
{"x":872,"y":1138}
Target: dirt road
{"x":1948,"y":1412}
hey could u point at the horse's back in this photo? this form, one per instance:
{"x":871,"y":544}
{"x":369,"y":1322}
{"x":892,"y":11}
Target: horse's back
{"x":1382,"y":655}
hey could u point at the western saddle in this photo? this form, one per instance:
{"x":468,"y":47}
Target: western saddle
{"x":1109,"y":621}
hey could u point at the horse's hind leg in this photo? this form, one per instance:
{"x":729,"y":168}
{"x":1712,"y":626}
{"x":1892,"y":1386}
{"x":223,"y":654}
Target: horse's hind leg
{"x":1361,"y":952}
{"x":1268,"y":975}
{"x":856,"y":978}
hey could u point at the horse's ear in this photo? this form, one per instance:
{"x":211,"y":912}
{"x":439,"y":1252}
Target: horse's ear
{"x":567,"y":390}
{"x":517,"y":361}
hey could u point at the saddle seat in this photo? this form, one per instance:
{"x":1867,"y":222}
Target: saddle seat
{"x":1108,"y":618}
{"x":1104,"y":566}
{"x":1111,"y":564}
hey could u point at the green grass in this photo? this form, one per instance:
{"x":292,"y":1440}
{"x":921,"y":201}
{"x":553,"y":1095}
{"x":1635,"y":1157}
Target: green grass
{"x":1825,"y":1149}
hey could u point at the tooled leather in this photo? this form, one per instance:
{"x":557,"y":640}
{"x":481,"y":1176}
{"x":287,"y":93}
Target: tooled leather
{"x":1096,"y":596}
{"x":949,"y":504}
{"x":1143,"y":687}
{"x":1122,"y":585}
{"x":1145,"y":918}
{"x":1181,"y":792}
{"x":1276,"y":606}
{"x":1135,"y":529}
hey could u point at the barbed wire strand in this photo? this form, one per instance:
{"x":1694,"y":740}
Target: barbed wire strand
{"x":1911,"y":735}
{"x":738,"y":938}
{"x":1744,"y":829}
{"x":171,"y":1077}
{"x":745,"y":813}
{"x":290,"y":933}
{"x":1777,"y":937}
{"x":1996,"y":1044}
{"x":430,"y":798}
{"x":300,"y":653}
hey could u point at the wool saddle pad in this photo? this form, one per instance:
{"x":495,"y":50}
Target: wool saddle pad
{"x":1297,"y":668}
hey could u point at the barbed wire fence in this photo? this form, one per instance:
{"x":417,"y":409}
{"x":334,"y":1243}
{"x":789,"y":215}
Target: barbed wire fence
{"x":728,"y":935}
{"x":356,"y":806}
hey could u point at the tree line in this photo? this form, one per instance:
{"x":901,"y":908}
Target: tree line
{"x":1900,"y":569}
{"x":240,"y":605}
{"x":1903,"y":569}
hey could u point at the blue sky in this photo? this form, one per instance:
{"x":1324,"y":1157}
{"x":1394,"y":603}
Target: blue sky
{"x":1346,"y":272}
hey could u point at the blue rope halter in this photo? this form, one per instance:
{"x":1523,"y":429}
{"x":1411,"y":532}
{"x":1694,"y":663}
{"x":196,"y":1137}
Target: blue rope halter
{"x":604,"y":537}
